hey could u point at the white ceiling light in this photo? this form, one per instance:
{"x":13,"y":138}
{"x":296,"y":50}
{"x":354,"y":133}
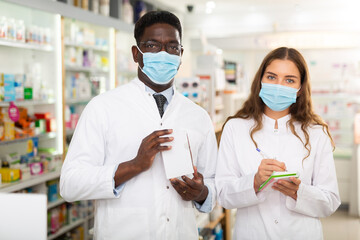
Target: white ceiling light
{"x":210,"y":7}
{"x":210,"y":4}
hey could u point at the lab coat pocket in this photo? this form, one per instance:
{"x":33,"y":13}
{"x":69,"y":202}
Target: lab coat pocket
{"x":127,"y":223}
{"x":189,"y":230}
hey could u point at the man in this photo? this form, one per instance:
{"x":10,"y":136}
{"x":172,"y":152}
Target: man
{"x":115,"y":154}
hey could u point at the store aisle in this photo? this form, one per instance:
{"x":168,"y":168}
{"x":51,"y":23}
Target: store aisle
{"x":341,"y":226}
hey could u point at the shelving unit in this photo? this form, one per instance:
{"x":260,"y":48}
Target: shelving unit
{"x":15,"y":44}
{"x":43,"y":136}
{"x":34,"y":180}
{"x":28,"y":103}
{"x":55,"y":203}
{"x":86,"y":69}
{"x":66,"y":228}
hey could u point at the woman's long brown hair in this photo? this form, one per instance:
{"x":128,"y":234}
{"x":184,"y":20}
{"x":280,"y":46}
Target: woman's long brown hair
{"x":301,"y":111}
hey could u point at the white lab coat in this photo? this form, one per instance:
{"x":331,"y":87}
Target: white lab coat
{"x":271,"y":214}
{"x":109,"y":132}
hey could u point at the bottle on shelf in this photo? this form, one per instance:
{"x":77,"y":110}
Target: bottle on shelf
{"x":3,"y":28}
{"x":105,"y":7}
{"x":127,"y":13}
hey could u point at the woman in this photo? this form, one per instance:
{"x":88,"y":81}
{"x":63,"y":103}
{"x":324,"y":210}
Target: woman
{"x":277,"y":130}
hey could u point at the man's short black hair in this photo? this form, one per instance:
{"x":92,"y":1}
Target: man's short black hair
{"x":154,"y":17}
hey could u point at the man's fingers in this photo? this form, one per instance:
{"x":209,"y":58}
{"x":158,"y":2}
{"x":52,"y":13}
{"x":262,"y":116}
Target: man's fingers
{"x":158,"y":133}
{"x":192,"y":183}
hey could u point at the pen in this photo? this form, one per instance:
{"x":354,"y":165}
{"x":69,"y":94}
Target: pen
{"x":263,"y":154}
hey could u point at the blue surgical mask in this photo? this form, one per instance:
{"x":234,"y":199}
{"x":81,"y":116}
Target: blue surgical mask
{"x":160,"y":67}
{"x":278,"y":97}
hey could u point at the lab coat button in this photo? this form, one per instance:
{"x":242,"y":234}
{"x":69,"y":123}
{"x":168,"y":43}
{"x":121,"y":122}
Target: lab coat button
{"x":160,"y":124}
{"x":276,"y":221}
{"x":167,"y":187}
{"x":168,"y":219}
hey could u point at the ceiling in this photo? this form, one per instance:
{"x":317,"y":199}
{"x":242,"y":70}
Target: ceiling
{"x":234,"y":18}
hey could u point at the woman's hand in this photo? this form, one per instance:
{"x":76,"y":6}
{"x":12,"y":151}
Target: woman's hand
{"x":288,"y":188}
{"x":266,"y":168}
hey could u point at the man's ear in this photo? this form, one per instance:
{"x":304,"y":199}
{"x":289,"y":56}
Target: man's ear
{"x":182,"y":52}
{"x":135,"y":53}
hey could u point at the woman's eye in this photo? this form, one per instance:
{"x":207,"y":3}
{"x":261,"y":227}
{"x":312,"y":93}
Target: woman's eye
{"x":290,"y":81}
{"x":271,"y":77}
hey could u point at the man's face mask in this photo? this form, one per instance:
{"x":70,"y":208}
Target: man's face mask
{"x":160,"y":67}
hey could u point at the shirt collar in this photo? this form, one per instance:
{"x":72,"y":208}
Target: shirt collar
{"x":168,"y":93}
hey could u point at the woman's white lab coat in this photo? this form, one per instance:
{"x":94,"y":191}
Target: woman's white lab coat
{"x":271,"y":214}
{"x":109,"y":132}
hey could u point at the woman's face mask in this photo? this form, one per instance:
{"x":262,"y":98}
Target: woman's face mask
{"x":160,"y":67}
{"x":278,"y":97}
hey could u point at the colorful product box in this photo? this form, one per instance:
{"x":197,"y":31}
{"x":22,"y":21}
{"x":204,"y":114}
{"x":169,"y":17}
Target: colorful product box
{"x":9,"y":88}
{"x":36,"y":168}
{"x":9,"y":174}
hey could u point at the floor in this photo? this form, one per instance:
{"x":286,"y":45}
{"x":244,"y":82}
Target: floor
{"x":341,"y":226}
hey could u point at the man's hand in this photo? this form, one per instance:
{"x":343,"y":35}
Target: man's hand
{"x":191,"y":189}
{"x":150,"y":146}
{"x":266,"y":168}
{"x":288,"y":188}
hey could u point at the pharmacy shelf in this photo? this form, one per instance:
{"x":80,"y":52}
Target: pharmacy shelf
{"x":28,"y":103}
{"x":32,"y":181}
{"x":213,"y":224}
{"x":22,"y":45}
{"x":78,"y":101}
{"x":55,"y":203}
{"x":70,"y":132}
{"x":42,"y":136}
{"x":69,"y":11}
{"x":92,"y":47}
{"x":67,"y":228}
{"x":86,"y":69}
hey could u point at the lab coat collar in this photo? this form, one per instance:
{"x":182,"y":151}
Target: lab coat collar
{"x":142,"y":85}
{"x":282,"y":122}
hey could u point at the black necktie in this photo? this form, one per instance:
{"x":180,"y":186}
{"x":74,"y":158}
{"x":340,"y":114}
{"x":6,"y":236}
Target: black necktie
{"x":160,"y":101}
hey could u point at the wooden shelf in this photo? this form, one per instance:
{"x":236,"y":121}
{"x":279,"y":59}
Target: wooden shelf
{"x":34,"y":180}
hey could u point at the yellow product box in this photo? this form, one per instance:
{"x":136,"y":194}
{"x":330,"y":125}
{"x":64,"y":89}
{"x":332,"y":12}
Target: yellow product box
{"x":9,"y":174}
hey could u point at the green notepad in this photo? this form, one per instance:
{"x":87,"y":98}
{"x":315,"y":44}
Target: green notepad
{"x":277,"y":176}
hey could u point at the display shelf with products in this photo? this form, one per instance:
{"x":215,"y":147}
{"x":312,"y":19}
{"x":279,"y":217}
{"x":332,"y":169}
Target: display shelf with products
{"x":42,"y":136}
{"x":89,"y":67}
{"x":66,"y":229}
{"x":70,"y":11}
{"x":55,"y":203}
{"x":33,"y":46}
{"x":34,"y":180}
{"x":28,"y":103}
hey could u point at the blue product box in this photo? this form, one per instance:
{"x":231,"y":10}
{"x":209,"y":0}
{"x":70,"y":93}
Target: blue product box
{"x":9,"y":88}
